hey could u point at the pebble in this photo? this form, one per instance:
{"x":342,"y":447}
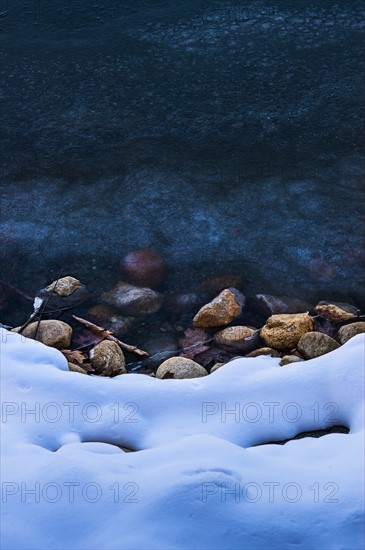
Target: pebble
{"x":283,"y":332}
{"x":160,"y":349}
{"x":133,"y":300}
{"x":75,"y":368}
{"x":145,"y":267}
{"x":287,"y":359}
{"x":216,"y":367}
{"x":220,"y":311}
{"x":264,"y":351}
{"x":179,"y":303}
{"x":110,"y":319}
{"x":64,"y":293}
{"x":238,"y":338}
{"x":275,"y":305}
{"x":53,"y":333}
{"x":335,"y":311}
{"x":315,"y":344}
{"x":349,"y":331}
{"x":180,"y":367}
{"x":108,"y":359}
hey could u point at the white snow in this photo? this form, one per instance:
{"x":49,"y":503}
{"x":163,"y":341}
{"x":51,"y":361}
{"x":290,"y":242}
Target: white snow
{"x":201,"y":478}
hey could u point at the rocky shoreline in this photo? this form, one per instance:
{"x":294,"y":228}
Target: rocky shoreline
{"x":185,"y":334}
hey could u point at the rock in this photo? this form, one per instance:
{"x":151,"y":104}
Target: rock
{"x":179,"y":303}
{"x":133,"y":300}
{"x":315,"y":344}
{"x":220,"y":311}
{"x":53,"y":333}
{"x":180,"y":367}
{"x":160,"y":349}
{"x":144,"y":267}
{"x":283,"y":332}
{"x":75,"y":368}
{"x":237,"y":338}
{"x":64,"y":293}
{"x":110,"y":319}
{"x":65,"y":286}
{"x":349,"y":331}
{"x":275,"y":305}
{"x":335,"y":311}
{"x":264,"y":351}
{"x":287,"y":359}
{"x":108,"y":359}
{"x":217,"y":284}
{"x":216,"y":367}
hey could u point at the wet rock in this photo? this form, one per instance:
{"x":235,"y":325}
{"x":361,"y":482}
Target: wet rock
{"x":283,"y":332}
{"x":160,"y":349}
{"x":53,"y":333}
{"x":216,"y":367}
{"x":264,"y":351}
{"x":287,"y":359}
{"x":220,"y":311}
{"x":180,"y":367}
{"x":335,"y":311}
{"x":75,"y":368}
{"x":108,"y":359}
{"x":145,"y":267}
{"x":65,"y":293}
{"x":275,"y":305}
{"x":349,"y":331}
{"x":237,"y":338}
{"x":215,"y":285}
{"x":133,"y":300}
{"x":110,"y":319}
{"x":315,"y":344}
{"x":179,"y":303}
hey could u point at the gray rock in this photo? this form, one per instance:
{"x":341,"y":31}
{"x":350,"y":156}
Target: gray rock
{"x":264,"y":351}
{"x":160,"y":349}
{"x":75,"y":368}
{"x":274,"y":305}
{"x":180,"y":367}
{"x":315,"y":344}
{"x":349,"y":331}
{"x":110,"y":318}
{"x":134,"y":300}
{"x":216,"y":367}
{"x":64,"y":293}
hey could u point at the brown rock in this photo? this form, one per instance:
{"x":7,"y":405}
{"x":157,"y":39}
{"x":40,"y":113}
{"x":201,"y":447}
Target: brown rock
{"x":65,"y":286}
{"x":220,"y":311}
{"x":180,"y":367}
{"x":315,"y":344}
{"x":349,"y":331}
{"x":287,"y":359}
{"x":145,"y":267}
{"x":237,"y":338}
{"x":133,"y":300}
{"x":264,"y":351}
{"x":108,"y":359}
{"x":283,"y":332}
{"x":75,"y":368}
{"x":336,"y":312}
{"x":53,"y":333}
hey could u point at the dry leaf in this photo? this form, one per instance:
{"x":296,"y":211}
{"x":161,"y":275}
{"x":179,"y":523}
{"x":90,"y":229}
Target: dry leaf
{"x":195,"y":342}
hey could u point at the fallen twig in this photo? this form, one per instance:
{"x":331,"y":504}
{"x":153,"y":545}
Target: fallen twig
{"x":108,"y":335}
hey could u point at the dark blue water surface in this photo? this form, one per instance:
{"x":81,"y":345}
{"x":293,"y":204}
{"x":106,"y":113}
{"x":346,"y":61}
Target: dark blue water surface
{"x":228,"y":135}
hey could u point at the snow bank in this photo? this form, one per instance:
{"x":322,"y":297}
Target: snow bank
{"x":202,"y":477}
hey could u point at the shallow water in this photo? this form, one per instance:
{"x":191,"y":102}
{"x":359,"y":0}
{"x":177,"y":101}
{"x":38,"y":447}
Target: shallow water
{"x":225,"y":134}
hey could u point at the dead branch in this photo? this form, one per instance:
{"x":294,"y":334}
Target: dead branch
{"x":108,"y":335}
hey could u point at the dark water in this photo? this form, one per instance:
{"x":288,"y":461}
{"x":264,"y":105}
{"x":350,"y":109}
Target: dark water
{"x":228,"y":135}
